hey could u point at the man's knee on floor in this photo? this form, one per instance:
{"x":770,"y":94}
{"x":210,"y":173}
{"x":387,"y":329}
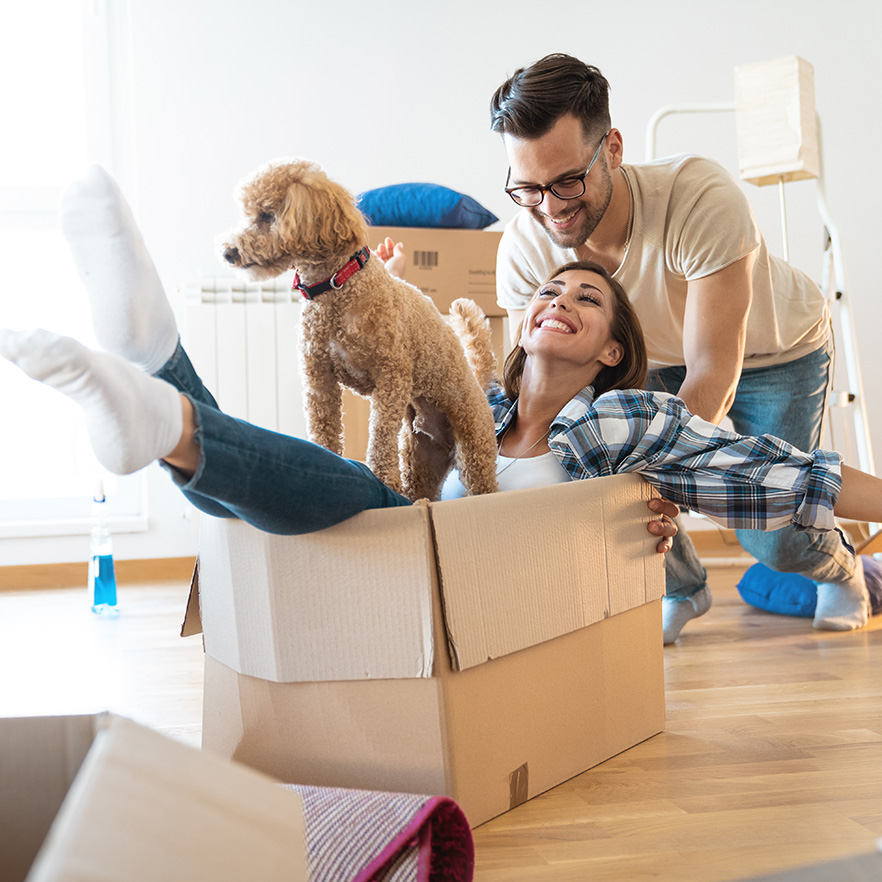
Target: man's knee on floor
{"x":819,"y":556}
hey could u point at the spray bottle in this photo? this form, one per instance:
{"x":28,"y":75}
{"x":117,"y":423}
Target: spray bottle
{"x":102,"y":580}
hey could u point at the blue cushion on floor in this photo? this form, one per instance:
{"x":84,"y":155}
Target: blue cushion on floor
{"x":790,"y":594}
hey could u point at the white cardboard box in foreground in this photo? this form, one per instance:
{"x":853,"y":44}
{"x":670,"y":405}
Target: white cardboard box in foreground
{"x":486,"y":648}
{"x":99,"y":797}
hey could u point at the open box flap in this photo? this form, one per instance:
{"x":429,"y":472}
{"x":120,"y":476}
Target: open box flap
{"x":584,"y":544}
{"x":350,"y":602}
{"x":40,"y":759}
{"x":144,"y":807}
{"x":192,"y":623}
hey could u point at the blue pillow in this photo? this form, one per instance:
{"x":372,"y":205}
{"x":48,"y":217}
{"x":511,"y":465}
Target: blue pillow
{"x":790,"y":594}
{"x":423,"y":205}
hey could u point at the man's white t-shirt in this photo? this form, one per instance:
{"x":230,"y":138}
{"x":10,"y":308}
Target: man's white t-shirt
{"x":691,"y":219}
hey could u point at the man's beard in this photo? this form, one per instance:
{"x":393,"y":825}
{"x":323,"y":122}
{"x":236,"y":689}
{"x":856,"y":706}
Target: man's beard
{"x":591,"y":217}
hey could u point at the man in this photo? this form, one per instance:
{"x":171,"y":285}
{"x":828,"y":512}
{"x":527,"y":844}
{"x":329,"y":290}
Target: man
{"x":730,"y":329}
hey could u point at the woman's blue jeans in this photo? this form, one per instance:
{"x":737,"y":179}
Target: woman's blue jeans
{"x":274,"y":482}
{"x":787,"y":401}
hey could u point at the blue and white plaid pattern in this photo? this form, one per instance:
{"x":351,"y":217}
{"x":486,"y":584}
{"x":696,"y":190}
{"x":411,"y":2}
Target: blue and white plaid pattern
{"x":743,"y":482}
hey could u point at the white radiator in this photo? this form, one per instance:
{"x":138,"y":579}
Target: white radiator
{"x":242,"y":339}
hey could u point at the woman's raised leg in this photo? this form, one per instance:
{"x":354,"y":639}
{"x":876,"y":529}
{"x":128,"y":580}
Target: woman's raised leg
{"x":225,"y":466}
{"x":130,"y":312}
{"x":131,"y":418}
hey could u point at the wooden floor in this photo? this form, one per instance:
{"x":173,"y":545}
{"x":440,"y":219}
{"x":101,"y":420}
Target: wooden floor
{"x":772,"y":755}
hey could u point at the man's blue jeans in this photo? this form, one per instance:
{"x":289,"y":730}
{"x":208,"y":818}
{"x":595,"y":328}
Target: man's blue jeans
{"x":274,"y":482}
{"x":786,"y":401}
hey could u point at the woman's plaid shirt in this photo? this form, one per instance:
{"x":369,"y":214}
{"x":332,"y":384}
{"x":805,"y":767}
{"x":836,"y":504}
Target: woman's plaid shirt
{"x":743,"y":482}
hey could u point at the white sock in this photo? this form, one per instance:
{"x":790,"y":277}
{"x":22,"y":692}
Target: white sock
{"x":132,"y":418}
{"x":130,"y":312}
{"x":677,"y":611}
{"x":843,"y":606}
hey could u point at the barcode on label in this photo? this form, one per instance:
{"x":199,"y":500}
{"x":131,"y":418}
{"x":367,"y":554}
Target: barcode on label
{"x":425,"y":258}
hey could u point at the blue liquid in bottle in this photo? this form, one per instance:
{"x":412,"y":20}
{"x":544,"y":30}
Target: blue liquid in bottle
{"x":103,"y":583}
{"x":102,"y":579}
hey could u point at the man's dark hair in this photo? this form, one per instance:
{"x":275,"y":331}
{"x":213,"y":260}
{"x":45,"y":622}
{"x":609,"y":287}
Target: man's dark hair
{"x":534,"y":98}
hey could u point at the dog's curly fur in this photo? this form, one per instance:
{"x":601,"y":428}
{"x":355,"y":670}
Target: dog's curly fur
{"x":378,"y":335}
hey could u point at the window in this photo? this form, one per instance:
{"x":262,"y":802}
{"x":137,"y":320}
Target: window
{"x":56,"y":61}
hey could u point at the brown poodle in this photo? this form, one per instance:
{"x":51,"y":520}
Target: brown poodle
{"x":364,"y":329}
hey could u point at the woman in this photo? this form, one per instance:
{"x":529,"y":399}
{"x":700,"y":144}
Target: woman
{"x":144,"y":402}
{"x":575,"y":431}
{"x":572,"y":390}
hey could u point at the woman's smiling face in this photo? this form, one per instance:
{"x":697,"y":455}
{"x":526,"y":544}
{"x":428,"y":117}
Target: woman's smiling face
{"x":569,"y":318}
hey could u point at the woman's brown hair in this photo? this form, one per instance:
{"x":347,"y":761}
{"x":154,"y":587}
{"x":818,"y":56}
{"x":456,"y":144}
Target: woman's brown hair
{"x":629,"y":373}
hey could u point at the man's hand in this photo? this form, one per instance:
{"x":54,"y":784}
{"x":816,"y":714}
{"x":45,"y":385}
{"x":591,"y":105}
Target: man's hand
{"x":664,"y":526}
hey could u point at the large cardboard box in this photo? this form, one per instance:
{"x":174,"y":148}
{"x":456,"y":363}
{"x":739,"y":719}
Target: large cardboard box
{"x":446,"y":264}
{"x":99,"y":797}
{"x":486,"y":648}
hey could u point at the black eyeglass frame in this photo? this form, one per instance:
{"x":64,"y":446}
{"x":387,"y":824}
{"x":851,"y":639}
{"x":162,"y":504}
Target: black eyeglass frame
{"x":549,"y":188}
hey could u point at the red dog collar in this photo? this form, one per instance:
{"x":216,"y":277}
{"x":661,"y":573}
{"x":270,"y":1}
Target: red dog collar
{"x":310,"y":292}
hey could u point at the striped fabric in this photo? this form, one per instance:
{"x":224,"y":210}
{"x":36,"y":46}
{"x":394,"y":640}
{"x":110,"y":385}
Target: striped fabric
{"x":743,"y":482}
{"x":371,"y":836}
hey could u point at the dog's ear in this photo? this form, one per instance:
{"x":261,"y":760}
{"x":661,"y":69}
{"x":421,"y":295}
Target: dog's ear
{"x":320,"y":220}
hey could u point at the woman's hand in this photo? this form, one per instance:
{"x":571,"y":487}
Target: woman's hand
{"x":664,"y":526}
{"x":393,"y":256}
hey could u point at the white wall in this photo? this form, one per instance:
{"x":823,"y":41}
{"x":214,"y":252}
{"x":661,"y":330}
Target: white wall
{"x":399,"y":92}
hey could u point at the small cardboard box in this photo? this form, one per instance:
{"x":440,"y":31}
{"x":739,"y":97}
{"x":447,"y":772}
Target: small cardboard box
{"x":485,"y":648}
{"x":776,"y":123}
{"x":99,"y":797}
{"x":447,"y":264}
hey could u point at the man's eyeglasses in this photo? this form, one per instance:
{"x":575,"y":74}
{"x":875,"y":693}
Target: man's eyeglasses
{"x":566,"y":188}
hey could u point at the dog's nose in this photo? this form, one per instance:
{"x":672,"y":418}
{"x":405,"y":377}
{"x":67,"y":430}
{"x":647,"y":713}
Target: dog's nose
{"x":231,"y":255}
